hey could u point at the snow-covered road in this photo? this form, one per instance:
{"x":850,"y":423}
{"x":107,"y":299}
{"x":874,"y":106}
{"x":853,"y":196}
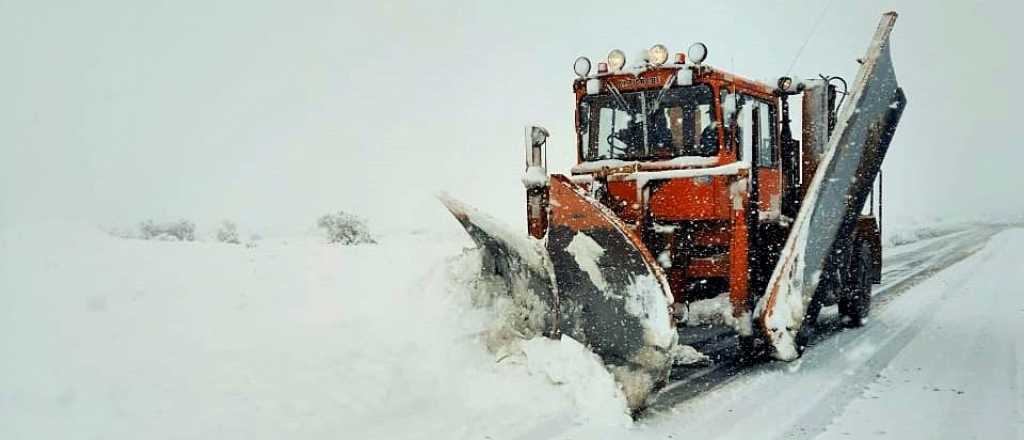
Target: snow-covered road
{"x":938,"y":360}
{"x":904,"y":266}
{"x":955,"y":370}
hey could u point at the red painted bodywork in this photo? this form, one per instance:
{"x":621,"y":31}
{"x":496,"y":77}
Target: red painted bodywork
{"x":702,"y":222}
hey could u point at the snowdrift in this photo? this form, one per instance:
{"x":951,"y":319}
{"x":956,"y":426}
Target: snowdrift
{"x":114,"y":338}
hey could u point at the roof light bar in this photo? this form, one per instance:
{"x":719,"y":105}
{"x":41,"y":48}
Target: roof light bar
{"x":581,"y":66}
{"x":697,"y":52}
{"x":657,"y":54}
{"x":616,"y":60}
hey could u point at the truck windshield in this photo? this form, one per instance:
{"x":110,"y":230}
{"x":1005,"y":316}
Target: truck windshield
{"x":649,"y":125}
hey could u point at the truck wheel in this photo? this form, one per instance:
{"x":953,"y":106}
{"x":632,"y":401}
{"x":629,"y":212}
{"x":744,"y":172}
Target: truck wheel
{"x":856,"y":302}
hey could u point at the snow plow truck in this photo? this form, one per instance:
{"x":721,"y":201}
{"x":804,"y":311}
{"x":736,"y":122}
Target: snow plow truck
{"x":689,"y":184}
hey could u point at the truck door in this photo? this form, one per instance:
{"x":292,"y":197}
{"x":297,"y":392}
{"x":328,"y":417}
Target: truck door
{"x":764,"y":144}
{"x":758,"y":146}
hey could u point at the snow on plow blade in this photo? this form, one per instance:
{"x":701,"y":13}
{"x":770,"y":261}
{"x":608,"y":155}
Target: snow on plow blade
{"x":594,"y":280}
{"x":518,"y":261}
{"x":836,"y":194}
{"x":613,"y":296}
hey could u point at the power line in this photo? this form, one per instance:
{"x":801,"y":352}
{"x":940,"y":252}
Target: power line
{"x":809,"y":36}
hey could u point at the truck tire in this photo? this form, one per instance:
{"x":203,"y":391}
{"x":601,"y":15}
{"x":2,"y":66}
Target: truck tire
{"x":855,"y":305}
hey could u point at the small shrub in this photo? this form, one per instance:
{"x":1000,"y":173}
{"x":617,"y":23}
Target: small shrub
{"x":344,"y":228}
{"x":228,"y":233}
{"x":182,"y":230}
{"x":253,"y":241}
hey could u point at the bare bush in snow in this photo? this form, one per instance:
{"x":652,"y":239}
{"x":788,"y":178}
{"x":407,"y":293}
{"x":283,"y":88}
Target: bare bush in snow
{"x":228,"y":233}
{"x":182,"y":230}
{"x":344,"y":228}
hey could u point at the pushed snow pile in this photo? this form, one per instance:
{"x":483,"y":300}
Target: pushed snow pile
{"x":717,"y":311}
{"x":103,"y":337}
{"x":571,"y":365}
{"x":711,"y":311}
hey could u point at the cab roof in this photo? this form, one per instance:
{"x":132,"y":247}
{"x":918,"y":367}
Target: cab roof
{"x":654,"y":78}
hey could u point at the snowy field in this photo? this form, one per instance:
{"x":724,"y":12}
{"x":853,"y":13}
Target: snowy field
{"x":103,"y":337}
{"x":111,"y":338}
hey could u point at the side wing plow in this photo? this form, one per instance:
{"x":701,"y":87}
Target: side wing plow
{"x":835,"y":196}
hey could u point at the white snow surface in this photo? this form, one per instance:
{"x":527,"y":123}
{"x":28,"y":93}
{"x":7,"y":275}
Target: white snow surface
{"x":717,"y":311}
{"x":535,"y":177}
{"x":922,"y":230}
{"x":642,"y":177}
{"x":941,"y":360}
{"x":711,"y":311}
{"x":681,"y":161}
{"x":960,"y":372}
{"x":111,"y":338}
{"x":646,"y":300}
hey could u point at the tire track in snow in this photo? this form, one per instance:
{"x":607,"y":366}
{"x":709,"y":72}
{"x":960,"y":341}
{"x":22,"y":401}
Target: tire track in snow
{"x":959,"y":377}
{"x":857,"y":381}
{"x":906,"y":270}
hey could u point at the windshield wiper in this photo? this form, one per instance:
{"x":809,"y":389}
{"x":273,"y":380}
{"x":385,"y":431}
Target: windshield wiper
{"x":662,"y":93}
{"x":618,"y":97}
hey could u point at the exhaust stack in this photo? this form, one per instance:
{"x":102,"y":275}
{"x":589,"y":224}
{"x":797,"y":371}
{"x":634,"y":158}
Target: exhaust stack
{"x":535,"y":179}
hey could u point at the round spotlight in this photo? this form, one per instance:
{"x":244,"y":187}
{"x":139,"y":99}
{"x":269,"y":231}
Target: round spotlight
{"x":616,"y":60}
{"x":785,"y":83}
{"x":581,"y":66}
{"x":657,"y":54}
{"x":697,"y":53}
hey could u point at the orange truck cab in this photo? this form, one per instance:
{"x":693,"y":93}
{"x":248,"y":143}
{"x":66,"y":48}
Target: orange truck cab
{"x":699,"y":163}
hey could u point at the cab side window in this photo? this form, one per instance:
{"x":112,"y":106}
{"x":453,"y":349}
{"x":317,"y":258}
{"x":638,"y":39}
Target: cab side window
{"x":746,"y":133}
{"x":764,"y":138}
{"x":750,"y":122}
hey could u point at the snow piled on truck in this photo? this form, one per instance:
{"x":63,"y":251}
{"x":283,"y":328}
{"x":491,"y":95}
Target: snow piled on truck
{"x":108,"y":338}
{"x":587,"y":252}
{"x":718,"y":311}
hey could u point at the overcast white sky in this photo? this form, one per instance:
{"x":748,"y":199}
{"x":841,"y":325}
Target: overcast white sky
{"x":271,"y":113}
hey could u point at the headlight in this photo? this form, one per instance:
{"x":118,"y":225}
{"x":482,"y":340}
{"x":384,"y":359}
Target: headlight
{"x":581,"y":66}
{"x":657,"y":54}
{"x":697,"y":53}
{"x":785,"y":83}
{"x":616,"y":59}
